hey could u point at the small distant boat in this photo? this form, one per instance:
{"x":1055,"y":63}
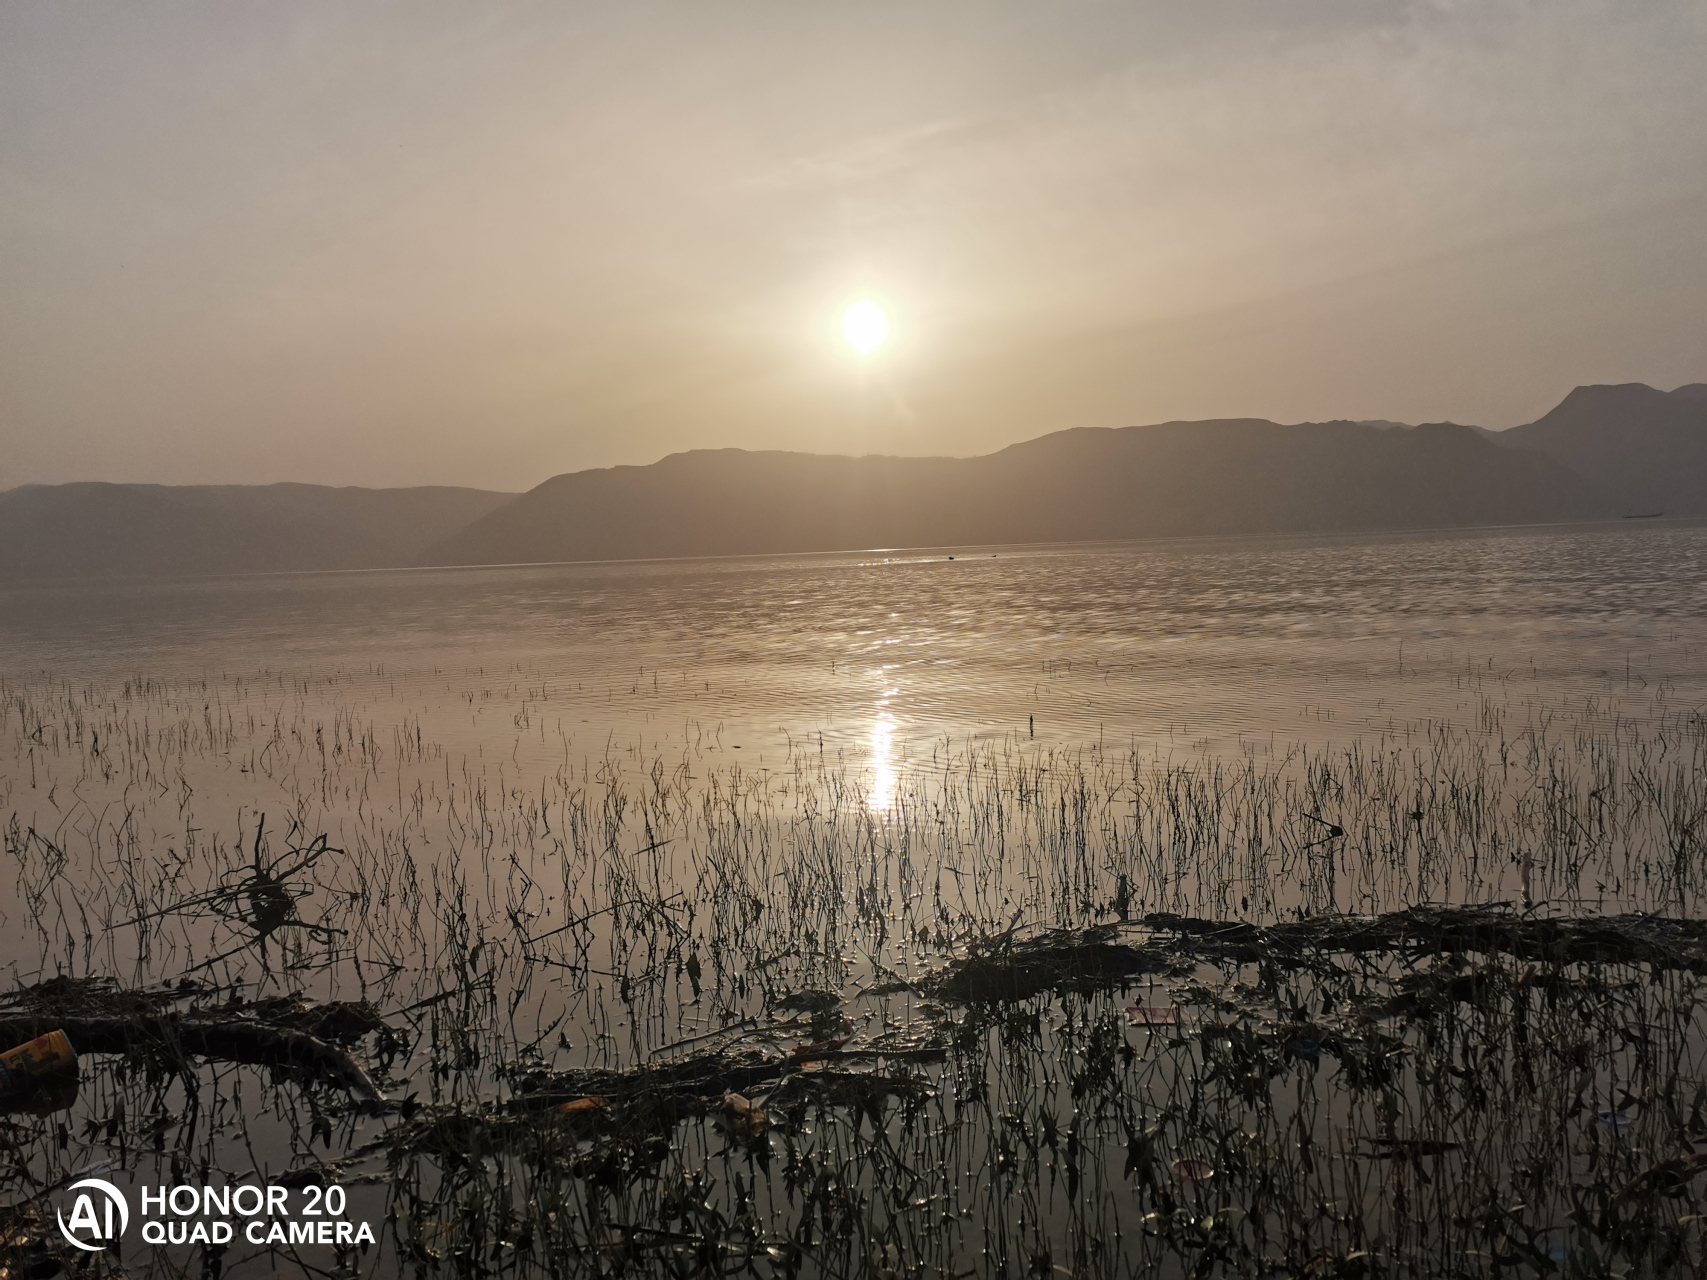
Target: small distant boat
{"x":1646,"y":515}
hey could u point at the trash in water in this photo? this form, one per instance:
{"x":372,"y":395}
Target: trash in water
{"x":39,"y":1075}
{"x":1308,"y":1050}
{"x":1152,"y":1015}
{"x":1409,"y":1148}
{"x":824,"y":1046}
{"x":745,"y":1119}
{"x":23,"y":1067}
{"x":580,"y":1106}
{"x":1617,"y":1121}
{"x":1192,"y":1170}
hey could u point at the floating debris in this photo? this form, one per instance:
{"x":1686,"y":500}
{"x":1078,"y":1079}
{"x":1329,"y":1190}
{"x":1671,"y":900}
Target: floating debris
{"x":1617,"y":1121}
{"x":1639,"y":938}
{"x":580,"y":1106}
{"x":94,"y":1017}
{"x":1189,"y":1170}
{"x":1008,"y":968}
{"x":1152,"y":1015}
{"x":746,"y":1121}
{"x":39,"y":1076}
{"x":822,"y":1048}
{"x":1409,"y":1148}
{"x":1555,"y":1249}
{"x":23,"y":1068}
{"x":262,"y":899}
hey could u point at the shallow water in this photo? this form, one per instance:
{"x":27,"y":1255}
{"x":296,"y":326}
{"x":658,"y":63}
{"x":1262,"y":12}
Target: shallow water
{"x":550,"y":788}
{"x":1201,"y":643}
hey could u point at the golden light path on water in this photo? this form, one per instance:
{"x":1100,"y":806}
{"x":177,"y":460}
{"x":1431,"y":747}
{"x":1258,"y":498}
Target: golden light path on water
{"x":883,"y":755}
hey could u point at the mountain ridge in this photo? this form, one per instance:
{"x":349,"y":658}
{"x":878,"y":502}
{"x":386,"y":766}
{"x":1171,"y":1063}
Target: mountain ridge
{"x":1079,"y":484}
{"x":1645,"y":448}
{"x":1603,"y":451}
{"x":98,"y":528}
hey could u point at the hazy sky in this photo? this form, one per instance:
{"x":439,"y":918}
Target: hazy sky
{"x":407,"y":243}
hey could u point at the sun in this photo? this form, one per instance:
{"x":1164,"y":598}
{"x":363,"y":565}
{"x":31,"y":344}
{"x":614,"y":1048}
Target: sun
{"x":865,"y":326}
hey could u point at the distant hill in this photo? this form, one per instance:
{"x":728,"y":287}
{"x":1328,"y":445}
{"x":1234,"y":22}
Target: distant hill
{"x":1604,"y":451}
{"x":1226,"y":476}
{"x":1646,"y":448}
{"x":77,"y":530}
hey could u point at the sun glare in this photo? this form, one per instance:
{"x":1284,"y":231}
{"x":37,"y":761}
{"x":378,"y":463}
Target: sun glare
{"x":865,"y":326}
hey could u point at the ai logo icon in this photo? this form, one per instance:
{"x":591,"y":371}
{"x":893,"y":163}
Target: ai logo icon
{"x":101,"y":1227}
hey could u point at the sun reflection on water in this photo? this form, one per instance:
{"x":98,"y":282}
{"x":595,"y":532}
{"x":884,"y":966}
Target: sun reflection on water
{"x":883,"y":774}
{"x":882,"y":762}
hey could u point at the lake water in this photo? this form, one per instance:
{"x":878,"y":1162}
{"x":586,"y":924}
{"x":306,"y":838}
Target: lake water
{"x":1200,"y":645}
{"x":584,"y":818}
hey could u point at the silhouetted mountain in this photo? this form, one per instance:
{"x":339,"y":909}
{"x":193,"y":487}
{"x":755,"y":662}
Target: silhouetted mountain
{"x":1605,"y":451}
{"x":75,"y":530}
{"x":1230,"y":476}
{"x":1646,"y":448}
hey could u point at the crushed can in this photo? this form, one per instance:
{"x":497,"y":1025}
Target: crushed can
{"x":25,"y":1069}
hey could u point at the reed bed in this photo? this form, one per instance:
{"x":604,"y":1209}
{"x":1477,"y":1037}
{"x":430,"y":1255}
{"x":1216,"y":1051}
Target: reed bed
{"x":641,"y":1012}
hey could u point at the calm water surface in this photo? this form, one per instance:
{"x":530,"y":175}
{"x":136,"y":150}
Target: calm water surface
{"x":1202,"y":644}
{"x":506,"y":759}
